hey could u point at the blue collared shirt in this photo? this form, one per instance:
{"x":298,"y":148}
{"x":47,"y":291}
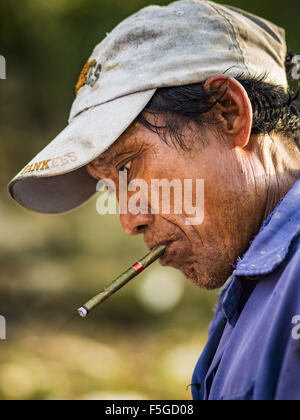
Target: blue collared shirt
{"x":253,"y":349}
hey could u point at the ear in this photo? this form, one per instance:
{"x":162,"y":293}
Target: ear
{"x":233,"y":109}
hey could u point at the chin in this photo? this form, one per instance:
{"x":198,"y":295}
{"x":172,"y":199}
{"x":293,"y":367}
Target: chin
{"x":207,"y":280}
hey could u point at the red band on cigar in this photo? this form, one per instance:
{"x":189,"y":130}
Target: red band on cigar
{"x":138,"y":267}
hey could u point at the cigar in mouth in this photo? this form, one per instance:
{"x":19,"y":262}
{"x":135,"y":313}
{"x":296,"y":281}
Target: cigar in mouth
{"x":121,"y":280}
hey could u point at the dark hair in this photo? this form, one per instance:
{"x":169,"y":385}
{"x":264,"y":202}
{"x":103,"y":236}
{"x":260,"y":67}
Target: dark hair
{"x":273,"y":108}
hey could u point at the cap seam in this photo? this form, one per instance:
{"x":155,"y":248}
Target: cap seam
{"x":109,"y":100}
{"x":234,"y":34}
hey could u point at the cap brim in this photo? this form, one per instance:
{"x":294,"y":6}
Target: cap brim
{"x":56,"y":180}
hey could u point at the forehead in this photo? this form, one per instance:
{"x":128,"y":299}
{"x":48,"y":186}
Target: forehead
{"x":134,"y":137}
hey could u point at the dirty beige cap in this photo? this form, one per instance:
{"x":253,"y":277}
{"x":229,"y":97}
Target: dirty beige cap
{"x":182,"y":43}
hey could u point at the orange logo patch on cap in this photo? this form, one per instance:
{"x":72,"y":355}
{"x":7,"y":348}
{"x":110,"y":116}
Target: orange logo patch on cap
{"x":89,"y":74}
{"x":84,"y":74}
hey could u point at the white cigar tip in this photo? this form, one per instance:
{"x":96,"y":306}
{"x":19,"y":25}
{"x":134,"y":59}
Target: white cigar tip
{"x":82,"y":312}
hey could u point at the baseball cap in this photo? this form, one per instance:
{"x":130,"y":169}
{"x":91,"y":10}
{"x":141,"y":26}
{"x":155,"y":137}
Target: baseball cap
{"x":159,"y":46}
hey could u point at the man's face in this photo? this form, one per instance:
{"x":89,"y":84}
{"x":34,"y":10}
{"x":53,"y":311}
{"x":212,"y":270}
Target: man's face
{"x":204,"y":253}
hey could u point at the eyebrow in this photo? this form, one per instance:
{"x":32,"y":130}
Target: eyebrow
{"x":121,"y":154}
{"x":118,"y":154}
{"x":131,"y":151}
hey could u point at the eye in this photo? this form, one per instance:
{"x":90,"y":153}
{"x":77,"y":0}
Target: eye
{"x":126,"y":167}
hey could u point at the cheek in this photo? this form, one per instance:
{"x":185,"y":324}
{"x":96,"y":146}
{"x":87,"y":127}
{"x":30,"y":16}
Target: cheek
{"x":172,"y":190}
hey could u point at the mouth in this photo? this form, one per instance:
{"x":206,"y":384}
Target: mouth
{"x":159,"y":243}
{"x":165,"y":255}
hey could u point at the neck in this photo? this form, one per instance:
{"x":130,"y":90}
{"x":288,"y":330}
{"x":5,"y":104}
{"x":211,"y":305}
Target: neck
{"x":282,"y":169}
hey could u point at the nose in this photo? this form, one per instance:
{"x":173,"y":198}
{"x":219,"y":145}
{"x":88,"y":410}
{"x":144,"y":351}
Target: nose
{"x":133,"y":224}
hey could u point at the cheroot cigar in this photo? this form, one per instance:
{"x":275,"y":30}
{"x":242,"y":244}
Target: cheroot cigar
{"x":124,"y":278}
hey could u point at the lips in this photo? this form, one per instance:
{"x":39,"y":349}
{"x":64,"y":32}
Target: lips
{"x":159,"y":243}
{"x":165,"y":257}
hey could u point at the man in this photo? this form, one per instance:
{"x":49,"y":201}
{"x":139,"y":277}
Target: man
{"x":197,"y":90}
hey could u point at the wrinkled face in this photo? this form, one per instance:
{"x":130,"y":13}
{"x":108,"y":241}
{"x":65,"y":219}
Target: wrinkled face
{"x":203,"y":252}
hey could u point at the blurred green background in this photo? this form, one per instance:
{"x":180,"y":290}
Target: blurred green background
{"x":143,"y":342}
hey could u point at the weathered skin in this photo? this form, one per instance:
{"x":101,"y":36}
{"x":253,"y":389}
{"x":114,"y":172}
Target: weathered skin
{"x":245,"y":176}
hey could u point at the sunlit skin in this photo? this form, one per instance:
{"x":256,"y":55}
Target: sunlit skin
{"x":245,"y":176}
